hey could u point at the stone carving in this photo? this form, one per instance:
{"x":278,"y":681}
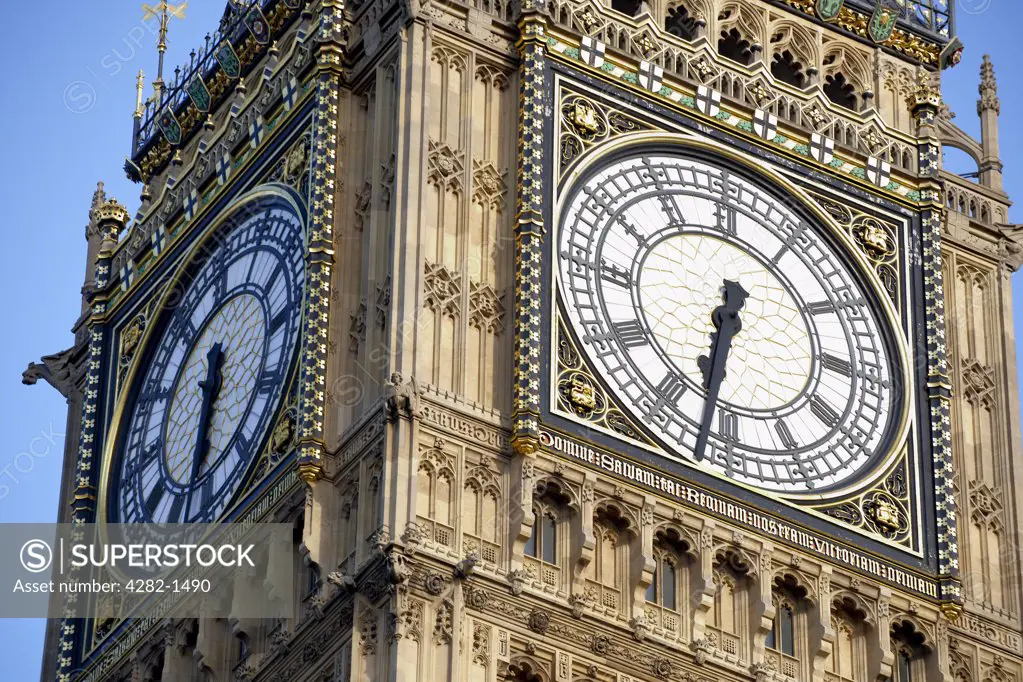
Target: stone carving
{"x":442,"y":289}
{"x":357,"y":327}
{"x":445,"y":166}
{"x":978,"y":383}
{"x":539,"y":621}
{"x":489,"y":186}
{"x":402,"y":398}
{"x":486,"y":308}
{"x":444,"y":623}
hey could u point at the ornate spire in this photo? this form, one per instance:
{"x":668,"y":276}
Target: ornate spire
{"x":99,"y":197}
{"x":988,"y":88}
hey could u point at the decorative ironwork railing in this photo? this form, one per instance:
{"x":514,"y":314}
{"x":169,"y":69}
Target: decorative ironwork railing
{"x":932,"y":18}
{"x":173,"y":95}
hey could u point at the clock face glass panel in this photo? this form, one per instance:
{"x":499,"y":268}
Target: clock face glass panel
{"x":727,"y":324}
{"x":218,"y":369}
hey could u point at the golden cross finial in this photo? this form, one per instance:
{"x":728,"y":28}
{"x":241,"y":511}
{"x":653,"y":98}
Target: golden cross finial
{"x":165,"y":11}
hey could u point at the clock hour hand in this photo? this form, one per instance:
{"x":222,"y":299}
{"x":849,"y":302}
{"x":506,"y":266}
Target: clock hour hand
{"x":727,"y":324}
{"x":210,"y":387}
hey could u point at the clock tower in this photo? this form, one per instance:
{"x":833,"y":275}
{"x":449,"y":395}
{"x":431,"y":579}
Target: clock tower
{"x":578,"y":341}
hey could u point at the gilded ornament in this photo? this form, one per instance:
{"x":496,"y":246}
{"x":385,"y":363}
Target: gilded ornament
{"x":873,"y":140}
{"x":581,"y":394}
{"x":296,"y":160}
{"x":874,"y":238}
{"x":886,"y":514}
{"x":132,"y":335}
{"x":282,"y":434}
{"x":584,"y":117}
{"x":760,"y":93}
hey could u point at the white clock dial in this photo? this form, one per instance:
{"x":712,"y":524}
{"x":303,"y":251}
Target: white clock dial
{"x":786,"y":383}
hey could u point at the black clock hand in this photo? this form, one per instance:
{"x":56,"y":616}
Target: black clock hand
{"x":210,"y":388}
{"x":727,"y":323}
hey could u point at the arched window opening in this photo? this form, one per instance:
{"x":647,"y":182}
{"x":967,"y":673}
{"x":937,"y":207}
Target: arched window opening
{"x":788,"y":634}
{"x":605,"y":575}
{"x":786,"y":68}
{"x":729,"y":617}
{"x":840,"y":91}
{"x":910,"y":653}
{"x":782,"y":635}
{"x":733,"y":46}
{"x":680,"y":23}
{"x":627,"y":7}
{"x":848,"y":661}
{"x":545,"y":549}
{"x":668,"y":595}
{"x":543,"y":543}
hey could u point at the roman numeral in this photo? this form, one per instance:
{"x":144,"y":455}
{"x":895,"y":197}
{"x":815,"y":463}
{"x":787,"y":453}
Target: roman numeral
{"x":782,"y":429}
{"x":671,"y":388}
{"x":725,"y":217}
{"x":267,"y":383}
{"x":728,"y":425}
{"x":220,"y":285}
{"x":819,"y":308}
{"x":836,"y":365}
{"x":274,"y":275}
{"x":668,"y":391}
{"x":174,"y":516}
{"x":823,"y":411}
{"x":279,"y":319}
{"x":615,"y":275}
{"x":154,"y":498}
{"x":631,"y":334}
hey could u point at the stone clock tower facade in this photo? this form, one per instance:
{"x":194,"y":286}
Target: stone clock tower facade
{"x":579,"y":341}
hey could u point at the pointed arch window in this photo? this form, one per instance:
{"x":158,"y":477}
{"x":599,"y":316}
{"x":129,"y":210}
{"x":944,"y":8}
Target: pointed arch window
{"x":787,"y":639}
{"x":781,"y":638}
{"x":679,"y":22}
{"x":606,"y":574}
{"x":544,"y":551}
{"x":668,"y":595}
{"x":848,"y":661}
{"x":733,"y":46}
{"x":786,"y":68}
{"x":911,"y":653}
{"x":628,"y":7}
{"x":543,"y":542}
{"x":840,"y":91}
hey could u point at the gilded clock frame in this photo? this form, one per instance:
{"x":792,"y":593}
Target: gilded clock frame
{"x":636,"y":121}
{"x":180,"y":275}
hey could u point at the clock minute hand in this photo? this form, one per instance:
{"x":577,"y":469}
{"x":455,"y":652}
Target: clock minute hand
{"x":727,"y":323}
{"x":210,"y":388}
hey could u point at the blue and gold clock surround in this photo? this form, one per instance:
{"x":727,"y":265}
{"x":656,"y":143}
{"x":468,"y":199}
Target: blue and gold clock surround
{"x":213,"y":369}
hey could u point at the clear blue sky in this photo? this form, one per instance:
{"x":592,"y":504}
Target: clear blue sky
{"x":69,"y":89}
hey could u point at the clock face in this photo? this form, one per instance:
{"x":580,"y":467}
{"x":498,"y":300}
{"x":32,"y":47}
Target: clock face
{"x":213,"y":381}
{"x":726,"y":323}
